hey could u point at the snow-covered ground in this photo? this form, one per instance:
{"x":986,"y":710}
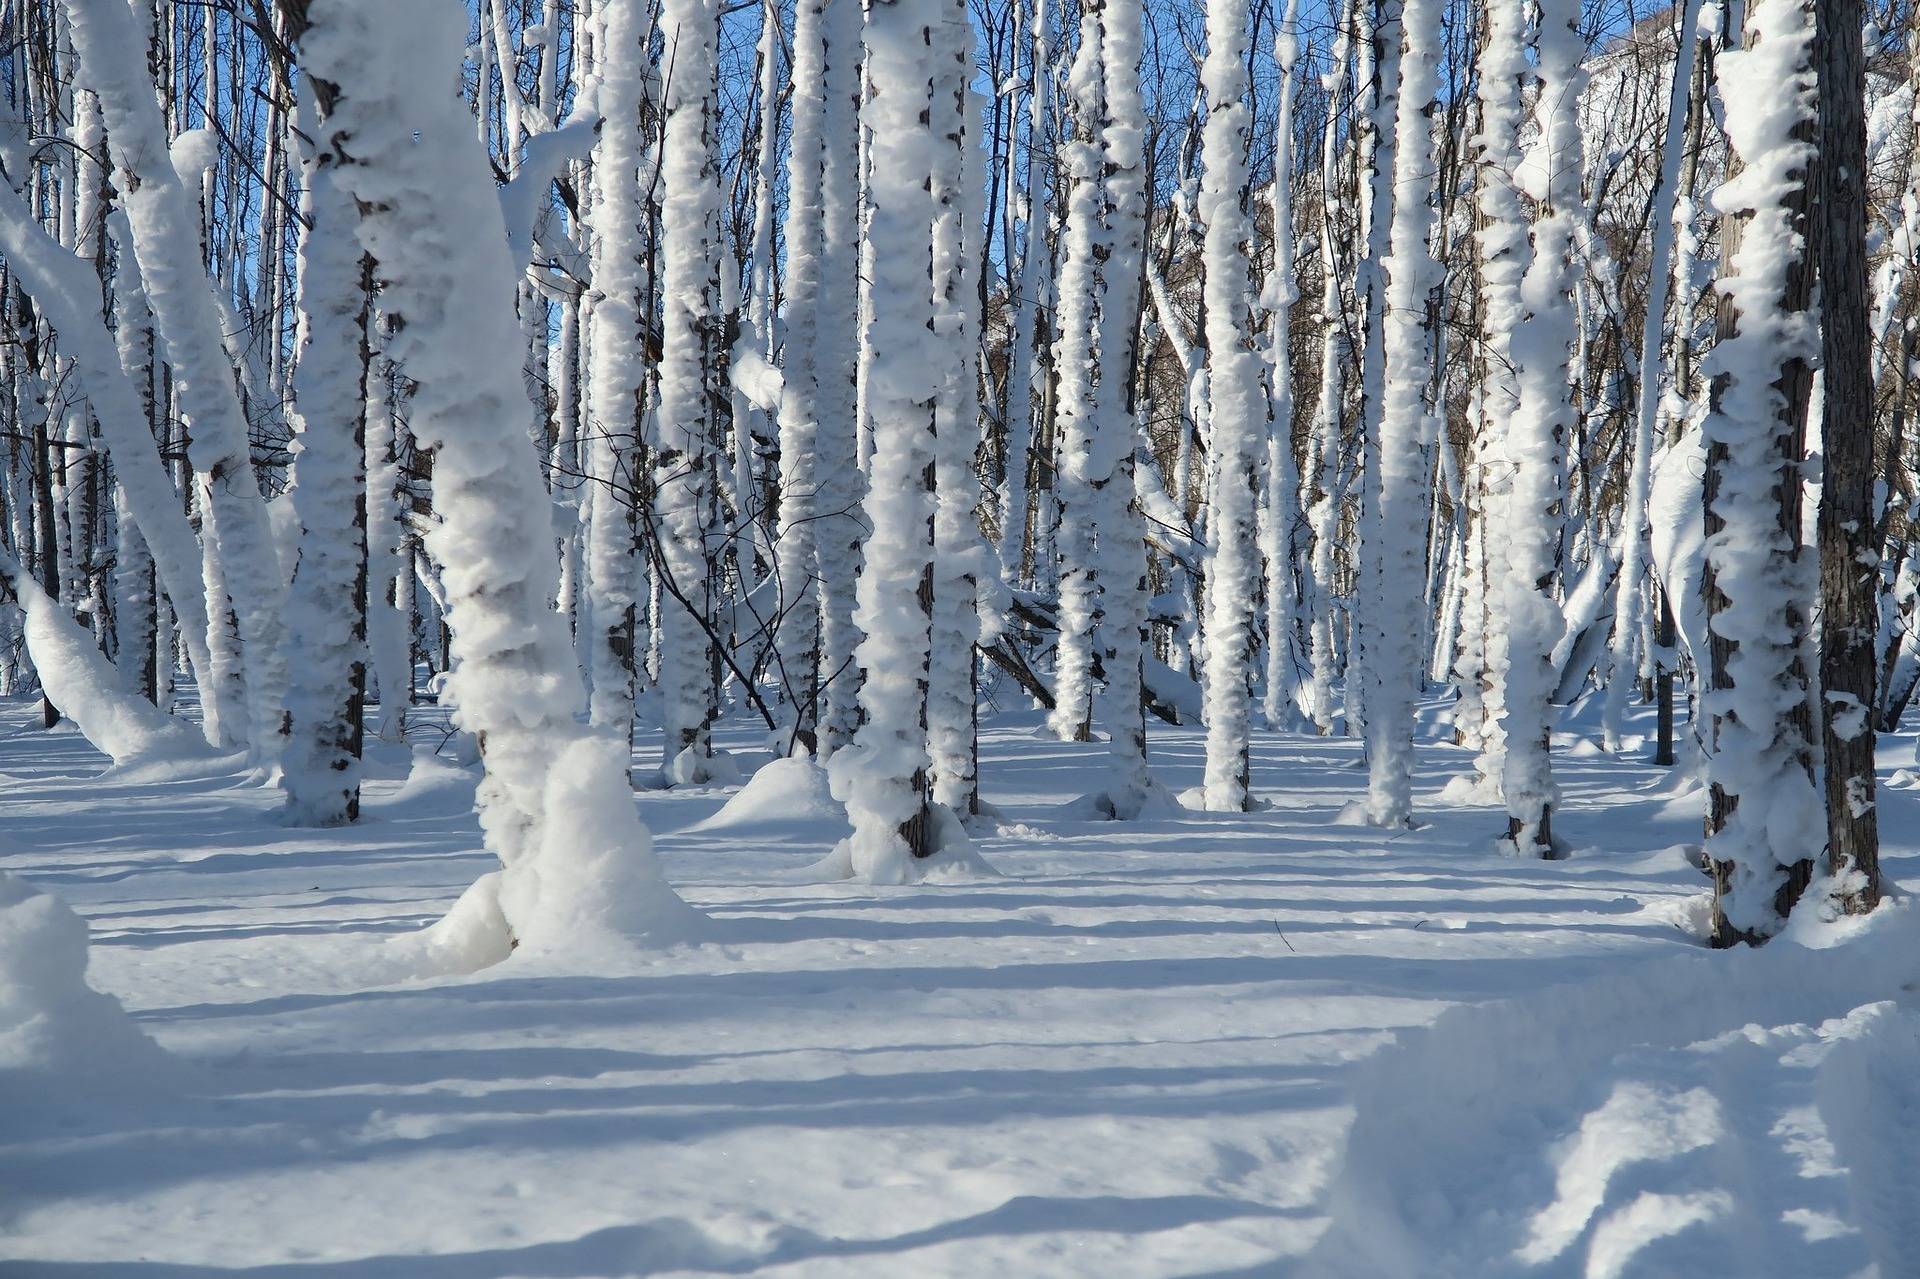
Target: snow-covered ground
{"x":1140,"y":1051}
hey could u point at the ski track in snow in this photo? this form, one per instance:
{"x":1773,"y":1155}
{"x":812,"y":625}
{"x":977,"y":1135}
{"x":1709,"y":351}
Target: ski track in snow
{"x":1137,"y":1053}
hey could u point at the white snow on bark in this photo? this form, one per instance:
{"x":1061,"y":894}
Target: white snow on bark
{"x":121,"y":724}
{"x":1399,"y":491}
{"x":1237,"y":406}
{"x":1031,"y":285}
{"x":1323,"y":508}
{"x":1541,"y":346}
{"x":1280,"y":508}
{"x":622,"y":294}
{"x":1501,"y":250}
{"x":880,"y":776}
{"x":684,"y":467}
{"x":389,"y":576}
{"x":962,"y":561}
{"x":62,"y":283}
{"x":165,"y":218}
{"x":1075,"y":356}
{"x":1630,"y":603}
{"x":326,"y":636}
{"x":554,"y":803}
{"x":841,"y":524}
{"x":1757,"y":753}
{"x":1111,"y":461}
{"x":798,"y":635}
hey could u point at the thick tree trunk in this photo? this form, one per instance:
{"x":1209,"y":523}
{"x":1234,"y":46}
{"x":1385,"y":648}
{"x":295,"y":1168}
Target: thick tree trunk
{"x":1849,"y":545}
{"x":1760,"y":723}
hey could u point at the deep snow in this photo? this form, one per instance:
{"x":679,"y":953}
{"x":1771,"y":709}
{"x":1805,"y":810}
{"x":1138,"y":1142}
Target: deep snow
{"x":1138,"y":1051}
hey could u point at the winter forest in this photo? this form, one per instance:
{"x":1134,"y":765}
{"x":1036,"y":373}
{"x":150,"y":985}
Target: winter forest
{"x":959,"y":637}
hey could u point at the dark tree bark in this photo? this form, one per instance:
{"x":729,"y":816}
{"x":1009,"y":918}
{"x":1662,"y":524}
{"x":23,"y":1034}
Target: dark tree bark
{"x":1849,"y":554}
{"x":1663,"y":637}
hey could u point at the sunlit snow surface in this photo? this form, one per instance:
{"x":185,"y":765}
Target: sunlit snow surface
{"x":1138,"y":1052}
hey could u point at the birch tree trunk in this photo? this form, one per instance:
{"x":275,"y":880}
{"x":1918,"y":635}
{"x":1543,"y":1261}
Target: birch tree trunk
{"x":165,"y":227}
{"x":327,"y":603}
{"x":1076,"y":355}
{"x":623,"y":173}
{"x":1764,"y":823}
{"x":684,"y":467}
{"x":881,"y":776}
{"x":798,"y":561}
{"x":1280,"y":705}
{"x":554,"y":801}
{"x":1541,"y":348}
{"x":959,"y":554}
{"x":1630,"y":607}
{"x":1237,"y":408}
{"x":842,"y":524}
{"x":1400,"y":466}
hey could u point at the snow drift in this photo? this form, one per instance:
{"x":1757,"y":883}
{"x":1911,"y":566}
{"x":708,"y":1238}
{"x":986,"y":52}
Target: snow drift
{"x":58,"y":1036}
{"x":1732,"y":1113}
{"x":786,"y":792}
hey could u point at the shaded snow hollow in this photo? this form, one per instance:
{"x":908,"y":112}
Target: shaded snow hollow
{"x":1200,"y":1043}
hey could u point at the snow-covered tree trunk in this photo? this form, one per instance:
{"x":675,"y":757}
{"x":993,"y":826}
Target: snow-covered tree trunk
{"x":225,"y":686}
{"x":326,"y":604}
{"x":64,"y":283}
{"x":111,"y":52}
{"x":1378,"y":35}
{"x":881,"y":776}
{"x":1399,"y":496}
{"x":136,"y":615}
{"x":1630,"y":601}
{"x":1030,"y":286}
{"x":798,"y":567}
{"x":554,"y":803}
{"x":1500,"y":260}
{"x":389,"y":576}
{"x":1075,"y":355}
{"x":1323,"y":501}
{"x":1237,"y":407}
{"x":841,"y":523}
{"x":1280,"y":704}
{"x":1119,"y":528}
{"x":690,"y":309}
{"x":1541,"y":348}
{"x":959,"y":555}
{"x":622,"y":296}
{"x":1764,"y":822}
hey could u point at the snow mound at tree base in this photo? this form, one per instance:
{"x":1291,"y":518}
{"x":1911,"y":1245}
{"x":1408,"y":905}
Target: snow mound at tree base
{"x":1099,"y":806}
{"x":60,"y":1039}
{"x":1743,"y":1112}
{"x":587,"y":893}
{"x":782,"y":793}
{"x":954,"y":859}
{"x":472,"y":935}
{"x":691,"y":768}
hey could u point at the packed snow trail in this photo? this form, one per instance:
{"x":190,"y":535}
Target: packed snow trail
{"x":1136,"y":1054}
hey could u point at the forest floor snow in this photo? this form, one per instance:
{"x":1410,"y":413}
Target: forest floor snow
{"x":1140,"y":1051}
